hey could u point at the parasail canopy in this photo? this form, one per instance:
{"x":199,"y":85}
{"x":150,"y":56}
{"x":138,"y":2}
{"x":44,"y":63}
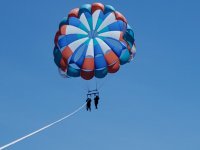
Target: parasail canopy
{"x":92,"y":41}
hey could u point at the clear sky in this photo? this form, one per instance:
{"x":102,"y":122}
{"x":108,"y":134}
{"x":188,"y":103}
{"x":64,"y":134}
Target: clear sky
{"x":152,"y":103}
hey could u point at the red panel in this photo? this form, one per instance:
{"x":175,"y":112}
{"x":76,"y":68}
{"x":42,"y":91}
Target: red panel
{"x":63,"y":64}
{"x":88,"y":64}
{"x":87,"y":75}
{"x":63,"y":29}
{"x":56,"y":37}
{"x":111,"y":57}
{"x":129,"y":48}
{"x":121,"y":38}
{"x":119,"y":16}
{"x":74,"y":13}
{"x":96,"y":6}
{"x":66,"y":53}
{"x":114,"y":68}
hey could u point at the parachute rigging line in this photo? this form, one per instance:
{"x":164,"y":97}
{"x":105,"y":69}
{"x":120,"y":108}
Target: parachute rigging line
{"x":41,"y":129}
{"x":104,"y":82}
{"x":96,"y":83}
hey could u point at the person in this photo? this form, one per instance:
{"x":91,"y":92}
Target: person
{"x":96,"y":101}
{"x":88,"y":105}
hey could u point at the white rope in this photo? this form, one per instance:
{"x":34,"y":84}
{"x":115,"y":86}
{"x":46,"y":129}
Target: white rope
{"x":41,"y":129}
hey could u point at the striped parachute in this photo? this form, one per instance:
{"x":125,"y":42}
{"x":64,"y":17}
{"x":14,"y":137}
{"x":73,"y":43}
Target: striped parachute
{"x":92,"y":41}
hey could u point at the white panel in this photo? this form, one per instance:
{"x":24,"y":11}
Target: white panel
{"x":133,"y":49}
{"x":74,"y":30}
{"x":111,"y":34}
{"x":95,"y":16}
{"x":108,"y":20}
{"x":74,"y":45}
{"x":90,"y":49}
{"x":84,"y":21}
{"x":105,"y":48}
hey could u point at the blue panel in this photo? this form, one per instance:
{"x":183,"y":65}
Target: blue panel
{"x":89,"y":19}
{"x":108,"y":8}
{"x":57,"y":56}
{"x":79,"y":55}
{"x":99,"y":59}
{"x":77,"y":23}
{"x":130,"y":32}
{"x":81,"y":59}
{"x":116,"y":26}
{"x":106,"y":29}
{"x":115,"y":45}
{"x":66,"y":40}
{"x":101,"y":15}
{"x":84,"y":8}
{"x":125,"y":56}
{"x":106,"y":15}
{"x":97,"y":48}
{"x":72,"y":72}
{"x":127,"y":37}
{"x":74,"y":21}
{"x":101,"y":73}
{"x":100,"y":19}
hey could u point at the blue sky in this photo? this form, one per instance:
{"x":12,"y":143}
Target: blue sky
{"x":152,"y":103}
